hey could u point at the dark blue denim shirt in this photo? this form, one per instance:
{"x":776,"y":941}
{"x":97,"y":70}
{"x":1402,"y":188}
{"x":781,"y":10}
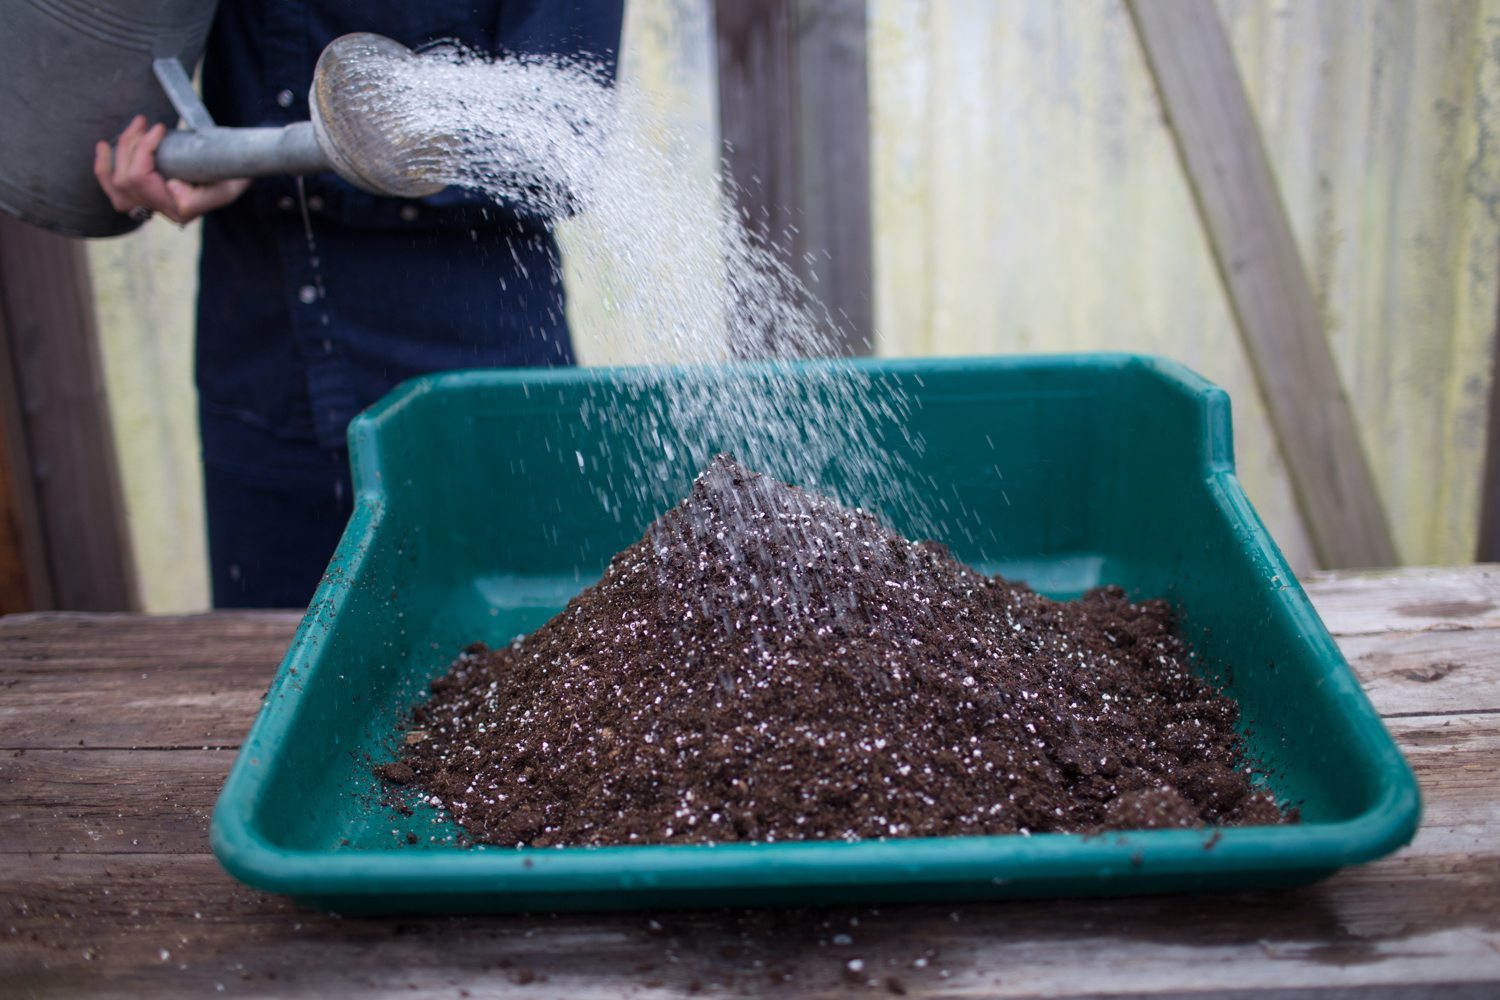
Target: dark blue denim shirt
{"x":315,"y":298}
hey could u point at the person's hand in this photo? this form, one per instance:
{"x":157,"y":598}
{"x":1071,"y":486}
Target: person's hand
{"x":127,"y":173}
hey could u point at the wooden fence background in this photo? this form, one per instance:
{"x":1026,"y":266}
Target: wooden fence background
{"x":1026,"y":196}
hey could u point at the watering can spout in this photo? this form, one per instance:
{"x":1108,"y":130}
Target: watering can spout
{"x":349,"y":133}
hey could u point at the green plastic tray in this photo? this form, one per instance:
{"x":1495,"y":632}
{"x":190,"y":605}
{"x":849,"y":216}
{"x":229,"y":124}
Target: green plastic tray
{"x":478,"y":516}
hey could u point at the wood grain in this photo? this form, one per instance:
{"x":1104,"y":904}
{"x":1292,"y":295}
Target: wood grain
{"x":22,"y":580}
{"x":1028,"y":198}
{"x":124,"y":681}
{"x":27,"y":583}
{"x":46,"y":641}
{"x":110,"y":801}
{"x":794,"y":118}
{"x":155,"y":801}
{"x":1406,"y":600}
{"x":1487,"y":546}
{"x":1275,"y":310}
{"x":106,"y":888}
{"x":1347,"y":931}
{"x":1423,"y":673}
{"x":54,"y":355}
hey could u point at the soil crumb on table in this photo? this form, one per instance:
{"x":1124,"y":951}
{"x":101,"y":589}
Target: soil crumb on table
{"x":767,"y":665}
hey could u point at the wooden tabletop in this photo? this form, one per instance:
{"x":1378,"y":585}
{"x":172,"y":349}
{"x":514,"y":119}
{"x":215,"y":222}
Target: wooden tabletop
{"x":117,"y":731}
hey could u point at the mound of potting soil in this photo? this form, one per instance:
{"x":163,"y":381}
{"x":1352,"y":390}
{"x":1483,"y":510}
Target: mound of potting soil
{"x":767,"y":665}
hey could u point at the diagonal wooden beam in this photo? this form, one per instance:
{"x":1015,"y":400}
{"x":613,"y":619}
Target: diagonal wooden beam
{"x":1274,"y":307}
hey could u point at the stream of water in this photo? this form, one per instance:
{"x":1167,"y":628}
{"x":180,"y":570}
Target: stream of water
{"x":690,"y":286}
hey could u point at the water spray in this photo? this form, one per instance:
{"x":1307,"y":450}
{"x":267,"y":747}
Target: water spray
{"x":347,"y":134}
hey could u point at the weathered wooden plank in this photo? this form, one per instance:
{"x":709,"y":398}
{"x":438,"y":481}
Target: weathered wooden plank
{"x":122,"y":801}
{"x":94,"y":922}
{"x":1407,"y":600}
{"x":82,"y":641}
{"x":24,"y":581}
{"x":53,"y":642}
{"x":1426,"y":673}
{"x":139,"y":706}
{"x":192,"y":706}
{"x":73,"y":680}
{"x":757,"y":101}
{"x":145,"y":295}
{"x":198,"y":680}
{"x":1386,"y":923}
{"x":1487,"y":546}
{"x":49,"y":323}
{"x":197,"y":705}
{"x":833,"y":166}
{"x":1029,"y":198}
{"x":1275,"y":309}
{"x":794,"y":118}
{"x":1412,"y":599}
{"x":1457,"y":763}
{"x":109,"y":801}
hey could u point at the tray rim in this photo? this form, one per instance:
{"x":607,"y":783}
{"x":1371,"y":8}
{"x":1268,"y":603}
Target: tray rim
{"x":609,"y":877}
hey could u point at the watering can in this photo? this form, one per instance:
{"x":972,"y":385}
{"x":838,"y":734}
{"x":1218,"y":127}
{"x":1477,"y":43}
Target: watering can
{"x":78,"y":71}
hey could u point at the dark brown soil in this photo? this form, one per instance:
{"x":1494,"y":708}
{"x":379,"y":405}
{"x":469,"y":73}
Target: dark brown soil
{"x":766,"y":665}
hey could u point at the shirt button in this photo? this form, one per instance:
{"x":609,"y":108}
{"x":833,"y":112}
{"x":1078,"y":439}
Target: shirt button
{"x":409,"y":213}
{"x":285,"y":203}
{"x":285,"y":98}
{"x":308,"y":294}
{"x":315,"y":203}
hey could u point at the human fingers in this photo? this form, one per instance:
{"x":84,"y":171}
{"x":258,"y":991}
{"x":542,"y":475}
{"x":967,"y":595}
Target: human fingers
{"x":113,"y":168}
{"x":125,"y":144}
{"x":104,"y":173}
{"x":139,"y":180}
{"x":192,"y":200}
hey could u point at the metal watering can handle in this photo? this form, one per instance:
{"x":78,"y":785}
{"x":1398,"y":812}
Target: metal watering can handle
{"x":203,"y":152}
